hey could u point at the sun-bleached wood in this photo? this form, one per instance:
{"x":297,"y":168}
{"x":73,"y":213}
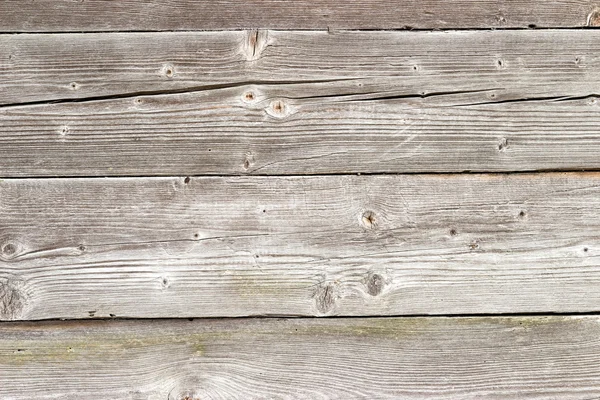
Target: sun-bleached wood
{"x":335,"y":245}
{"x":305,"y":103}
{"x":391,"y":358}
{"x":157,"y":15}
{"x":513,"y":64}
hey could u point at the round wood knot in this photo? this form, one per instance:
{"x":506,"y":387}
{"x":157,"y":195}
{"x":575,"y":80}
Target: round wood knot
{"x":594,"y":18}
{"x":325,"y":298}
{"x":9,"y":249}
{"x":249,"y":96}
{"x":278,"y":109}
{"x":168,"y":71}
{"x":368,"y":220}
{"x":12,"y":300}
{"x":503,"y":145}
{"x":164,"y":282}
{"x":248,"y":161}
{"x":375,"y":284}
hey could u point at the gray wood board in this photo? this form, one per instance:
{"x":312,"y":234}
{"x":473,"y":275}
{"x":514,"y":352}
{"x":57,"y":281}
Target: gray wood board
{"x":156,"y":15}
{"x":334,"y":245}
{"x":392,"y":358}
{"x":309,"y":103}
{"x":515,"y":64}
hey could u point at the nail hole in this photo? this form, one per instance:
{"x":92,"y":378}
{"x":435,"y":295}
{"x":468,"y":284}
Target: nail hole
{"x":522,"y":214}
{"x":91,"y":313}
{"x":73,"y":85}
{"x":186,"y":180}
{"x":249,"y":96}
{"x":585,"y":249}
{"x":532,"y":26}
{"x":112,"y":315}
{"x":81,"y":247}
{"x":196,"y":235}
{"x":453,"y":232}
{"x":499,"y":63}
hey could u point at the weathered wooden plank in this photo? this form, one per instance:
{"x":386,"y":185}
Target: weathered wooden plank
{"x":335,"y":245}
{"x":407,"y":358}
{"x":310,"y":103}
{"x":514,"y":64}
{"x":156,"y":15}
{"x":218,"y":133}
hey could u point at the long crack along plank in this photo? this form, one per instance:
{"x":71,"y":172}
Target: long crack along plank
{"x":392,"y":358}
{"x":236,"y":103}
{"x":157,"y":15}
{"x":336,"y":245}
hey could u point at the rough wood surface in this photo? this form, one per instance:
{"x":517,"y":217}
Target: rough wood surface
{"x":392,"y":358}
{"x":336,"y":245}
{"x":156,"y":15}
{"x":512,"y":64}
{"x":309,"y":103}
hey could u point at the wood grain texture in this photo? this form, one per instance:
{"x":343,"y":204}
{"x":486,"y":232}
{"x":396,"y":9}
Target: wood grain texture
{"x":515,"y":64}
{"x":156,"y":15}
{"x":336,"y":245}
{"x":300,"y":103}
{"x":392,"y":358}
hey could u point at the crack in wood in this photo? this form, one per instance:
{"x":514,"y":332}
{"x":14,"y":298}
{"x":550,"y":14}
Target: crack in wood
{"x":191,"y":89}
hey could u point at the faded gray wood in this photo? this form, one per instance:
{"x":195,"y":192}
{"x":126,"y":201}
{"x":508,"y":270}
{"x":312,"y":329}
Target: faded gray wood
{"x":309,"y":103}
{"x":154,"y":15}
{"x":392,"y":358}
{"x":511,"y":64}
{"x":335,"y":245}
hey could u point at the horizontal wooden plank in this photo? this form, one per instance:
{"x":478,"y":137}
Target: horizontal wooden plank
{"x":335,"y":245}
{"x":514,"y":64}
{"x":408,"y":358}
{"x":156,"y":15}
{"x":310,"y":103}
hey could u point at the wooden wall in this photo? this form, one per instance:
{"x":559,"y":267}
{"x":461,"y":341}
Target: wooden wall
{"x":263,"y":199}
